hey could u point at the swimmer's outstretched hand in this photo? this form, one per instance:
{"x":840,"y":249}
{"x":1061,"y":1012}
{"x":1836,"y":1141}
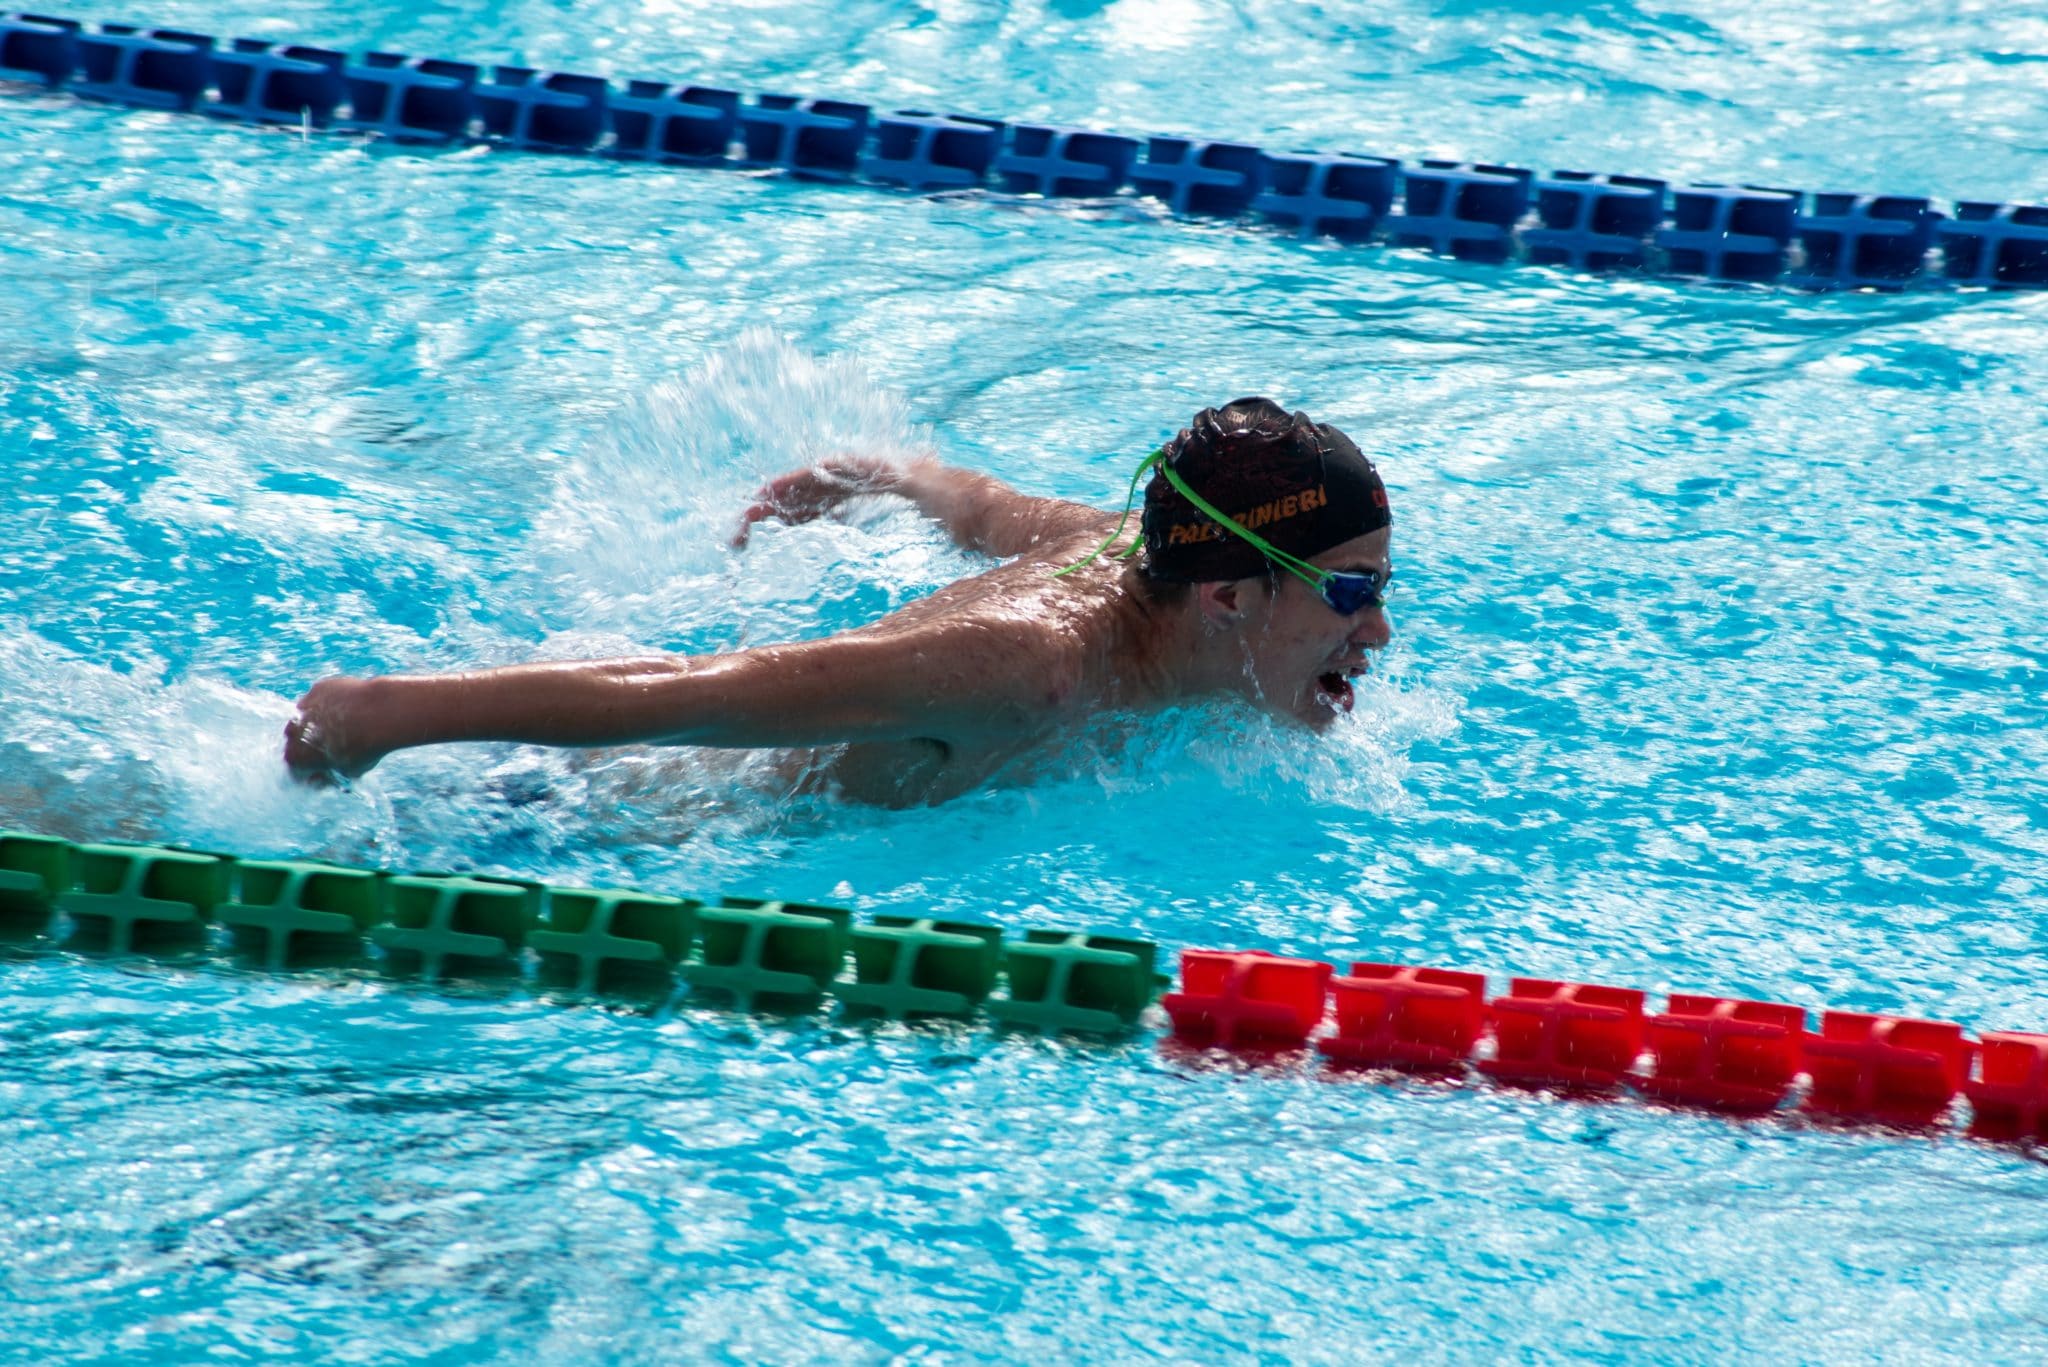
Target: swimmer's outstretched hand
{"x":324,"y":743}
{"x":802,"y":495}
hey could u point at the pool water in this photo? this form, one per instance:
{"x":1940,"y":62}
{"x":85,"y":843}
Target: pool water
{"x":1718,"y":667}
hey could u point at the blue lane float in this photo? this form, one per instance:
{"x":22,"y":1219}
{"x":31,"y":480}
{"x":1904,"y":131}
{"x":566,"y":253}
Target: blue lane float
{"x":1578,"y":220}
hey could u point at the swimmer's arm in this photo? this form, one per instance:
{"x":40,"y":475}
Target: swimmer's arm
{"x":980,"y":512}
{"x":849,"y":688}
{"x":984,"y":514}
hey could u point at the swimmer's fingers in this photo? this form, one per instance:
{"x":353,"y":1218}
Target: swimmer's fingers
{"x":336,"y":731}
{"x":305,"y":759}
{"x":761,"y":512}
{"x":747,"y":520}
{"x":770,"y":502}
{"x":302,"y":753}
{"x":802,"y":495}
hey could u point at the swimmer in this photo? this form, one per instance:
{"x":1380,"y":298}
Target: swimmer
{"x":1259,"y":569}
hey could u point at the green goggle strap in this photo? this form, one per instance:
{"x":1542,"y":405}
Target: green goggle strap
{"x":1129,"y":499}
{"x":1310,"y":574}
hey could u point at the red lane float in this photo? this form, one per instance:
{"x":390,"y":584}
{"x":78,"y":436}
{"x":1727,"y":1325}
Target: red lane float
{"x":1565,"y":1034}
{"x":1724,"y":1052}
{"x":2009,"y":1095}
{"x":1423,"y":1018}
{"x":1250,"y":998}
{"x":1887,"y":1068}
{"x":1721,"y":1053}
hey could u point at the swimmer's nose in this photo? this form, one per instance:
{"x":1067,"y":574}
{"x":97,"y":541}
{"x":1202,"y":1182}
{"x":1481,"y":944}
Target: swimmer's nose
{"x":1372,"y":630}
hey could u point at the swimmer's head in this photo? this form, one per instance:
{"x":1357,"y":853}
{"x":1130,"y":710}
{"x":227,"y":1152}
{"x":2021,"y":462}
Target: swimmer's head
{"x":1299,"y":485}
{"x":1251,"y":492}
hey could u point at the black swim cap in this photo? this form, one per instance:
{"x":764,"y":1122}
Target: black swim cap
{"x":1300,"y":484}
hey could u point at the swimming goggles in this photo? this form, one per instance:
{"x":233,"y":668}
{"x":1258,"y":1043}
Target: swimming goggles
{"x":1346,"y":592}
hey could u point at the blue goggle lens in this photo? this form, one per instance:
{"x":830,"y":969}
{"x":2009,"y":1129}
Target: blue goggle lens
{"x":1351,"y":593}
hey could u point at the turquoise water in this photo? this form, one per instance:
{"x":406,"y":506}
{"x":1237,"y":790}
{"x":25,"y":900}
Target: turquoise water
{"x":1718,"y":667}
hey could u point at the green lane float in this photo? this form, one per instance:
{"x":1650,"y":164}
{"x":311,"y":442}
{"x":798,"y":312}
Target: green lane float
{"x":129,"y":897}
{"x":474,"y":927}
{"x":34,"y":870}
{"x":914,"y":966}
{"x":613,"y":940}
{"x":292,"y":912}
{"x":752,"y":953}
{"x":1072,"y":980}
{"x":768,"y":956}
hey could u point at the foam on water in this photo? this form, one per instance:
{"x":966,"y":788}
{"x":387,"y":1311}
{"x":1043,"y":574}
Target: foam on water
{"x":636,"y":533}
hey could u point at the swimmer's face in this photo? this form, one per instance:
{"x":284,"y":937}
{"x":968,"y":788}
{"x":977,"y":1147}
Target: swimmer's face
{"x":1301,"y":654}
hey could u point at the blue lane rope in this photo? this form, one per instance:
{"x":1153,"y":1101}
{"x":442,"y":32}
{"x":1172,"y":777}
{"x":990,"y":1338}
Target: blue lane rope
{"x":1472,"y":211}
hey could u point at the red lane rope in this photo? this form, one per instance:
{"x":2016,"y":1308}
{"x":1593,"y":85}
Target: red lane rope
{"x":1719,"y":1053}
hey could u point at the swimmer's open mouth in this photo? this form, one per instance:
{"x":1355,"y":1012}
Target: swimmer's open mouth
{"x":1333,"y":690}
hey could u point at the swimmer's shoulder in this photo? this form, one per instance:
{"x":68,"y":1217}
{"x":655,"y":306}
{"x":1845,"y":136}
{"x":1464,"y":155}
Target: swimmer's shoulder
{"x":1069,"y":558}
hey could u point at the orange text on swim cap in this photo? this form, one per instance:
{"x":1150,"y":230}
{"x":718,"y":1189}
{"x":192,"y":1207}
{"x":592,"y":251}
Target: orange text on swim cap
{"x":1279,"y":510}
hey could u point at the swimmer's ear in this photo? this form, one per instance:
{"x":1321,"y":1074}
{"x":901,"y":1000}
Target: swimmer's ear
{"x":1222,"y":601}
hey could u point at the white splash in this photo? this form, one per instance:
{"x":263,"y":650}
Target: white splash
{"x":638,"y":529}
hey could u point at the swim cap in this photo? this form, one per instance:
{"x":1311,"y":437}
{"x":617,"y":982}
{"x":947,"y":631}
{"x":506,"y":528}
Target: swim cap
{"x":1299,"y":484}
